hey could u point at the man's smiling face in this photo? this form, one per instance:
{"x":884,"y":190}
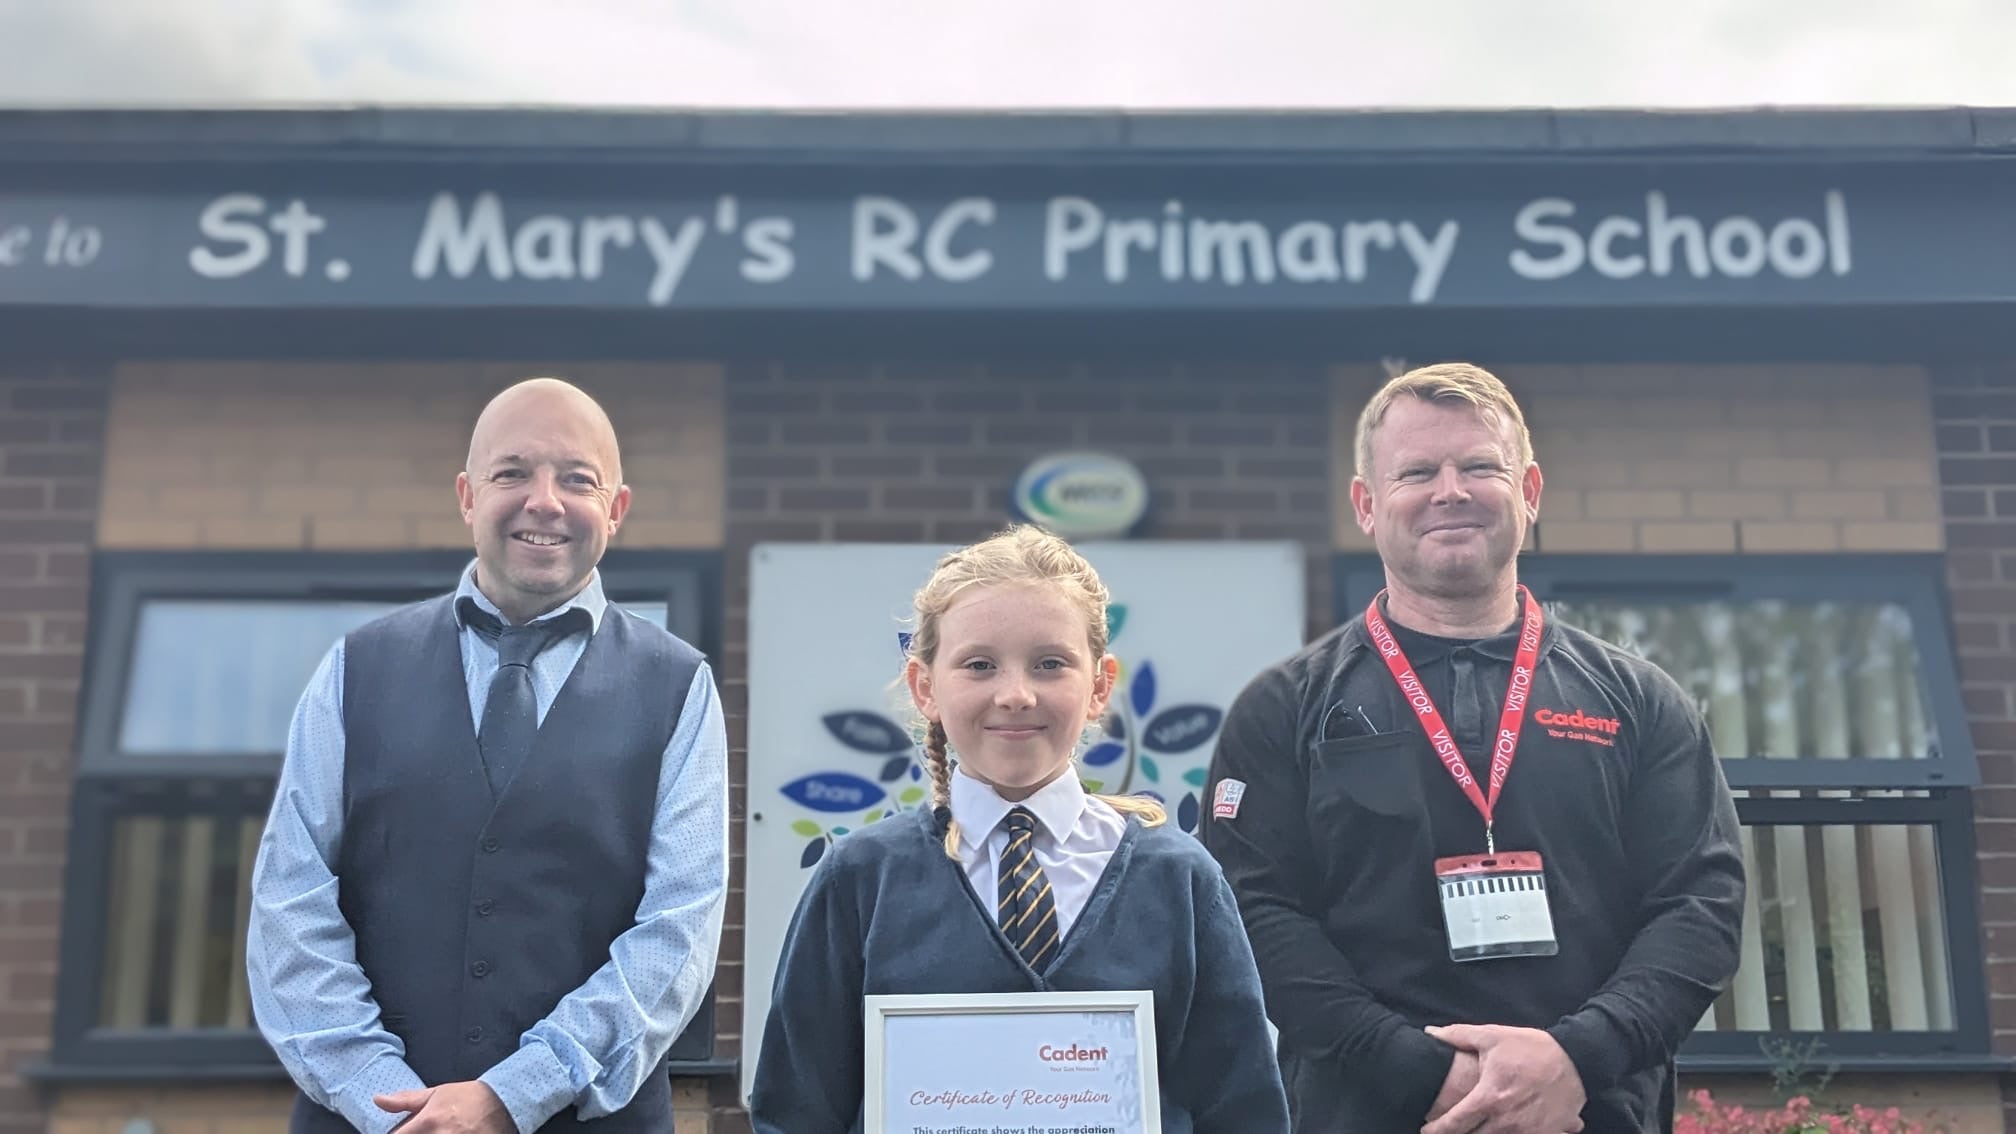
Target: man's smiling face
{"x":542,"y":495}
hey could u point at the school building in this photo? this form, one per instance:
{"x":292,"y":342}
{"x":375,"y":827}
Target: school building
{"x":1769,"y":359}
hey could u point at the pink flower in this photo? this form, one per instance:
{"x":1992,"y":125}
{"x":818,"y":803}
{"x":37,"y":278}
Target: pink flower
{"x":1798,"y":1115}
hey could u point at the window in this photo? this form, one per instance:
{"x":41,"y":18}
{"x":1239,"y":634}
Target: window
{"x":1846,"y":928}
{"x":1831,"y":693}
{"x":194,"y":666}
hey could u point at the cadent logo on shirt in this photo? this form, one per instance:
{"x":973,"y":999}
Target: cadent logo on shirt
{"x":1073,"y":1058}
{"x":1578,"y":725}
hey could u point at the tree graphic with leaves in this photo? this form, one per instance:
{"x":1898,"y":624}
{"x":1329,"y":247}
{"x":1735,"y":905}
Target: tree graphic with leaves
{"x":1123,"y":759}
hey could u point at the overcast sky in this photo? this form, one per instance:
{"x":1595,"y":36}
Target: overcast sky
{"x":1010,"y":53}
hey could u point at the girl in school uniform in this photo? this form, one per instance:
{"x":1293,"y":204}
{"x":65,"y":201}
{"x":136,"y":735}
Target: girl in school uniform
{"x":1016,"y":879}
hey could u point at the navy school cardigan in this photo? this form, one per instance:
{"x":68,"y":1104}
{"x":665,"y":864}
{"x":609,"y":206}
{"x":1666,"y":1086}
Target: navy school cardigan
{"x":888,"y":912}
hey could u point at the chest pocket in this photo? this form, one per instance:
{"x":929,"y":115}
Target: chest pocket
{"x":1376,"y":775}
{"x":1365,"y":802}
{"x":1367,"y":814}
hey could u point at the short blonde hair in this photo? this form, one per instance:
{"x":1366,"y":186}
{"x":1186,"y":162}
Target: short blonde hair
{"x":1449,"y":383}
{"x":1020,"y":554}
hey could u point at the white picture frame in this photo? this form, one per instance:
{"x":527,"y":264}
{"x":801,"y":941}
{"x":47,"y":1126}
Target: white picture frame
{"x":953,"y":1041}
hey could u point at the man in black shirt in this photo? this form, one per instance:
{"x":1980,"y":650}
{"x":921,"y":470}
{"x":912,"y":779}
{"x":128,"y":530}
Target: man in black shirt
{"x":1488,"y":863}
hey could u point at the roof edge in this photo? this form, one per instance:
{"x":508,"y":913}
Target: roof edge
{"x":385,"y":133}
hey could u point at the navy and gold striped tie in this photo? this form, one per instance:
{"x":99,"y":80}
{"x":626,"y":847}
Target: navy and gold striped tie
{"x":1027,"y":910}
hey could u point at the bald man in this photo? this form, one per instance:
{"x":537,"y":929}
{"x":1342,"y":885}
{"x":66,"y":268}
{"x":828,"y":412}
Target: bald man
{"x":489,"y":892}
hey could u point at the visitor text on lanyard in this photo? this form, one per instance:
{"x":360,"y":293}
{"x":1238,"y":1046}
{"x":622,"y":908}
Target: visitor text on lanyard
{"x":1510,"y":722}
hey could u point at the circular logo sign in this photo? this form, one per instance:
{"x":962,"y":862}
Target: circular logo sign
{"x":1082,"y":494}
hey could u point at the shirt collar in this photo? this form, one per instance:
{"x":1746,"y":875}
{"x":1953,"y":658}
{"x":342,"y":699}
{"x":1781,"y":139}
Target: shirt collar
{"x":1503,"y":646}
{"x":1056,"y":806}
{"x":589,"y":598}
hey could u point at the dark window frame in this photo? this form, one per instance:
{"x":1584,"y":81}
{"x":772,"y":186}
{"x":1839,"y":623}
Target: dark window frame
{"x":1938,"y":795}
{"x":111,"y":784}
{"x":1913,"y":581}
{"x":1950,"y":814}
{"x":123,"y":582}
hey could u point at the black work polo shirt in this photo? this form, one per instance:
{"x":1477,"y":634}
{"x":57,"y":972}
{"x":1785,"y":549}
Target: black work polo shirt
{"x":1331,"y":852}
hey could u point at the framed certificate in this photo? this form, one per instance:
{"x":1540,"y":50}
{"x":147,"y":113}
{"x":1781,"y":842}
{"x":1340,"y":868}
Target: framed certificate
{"x":1011,"y":1063}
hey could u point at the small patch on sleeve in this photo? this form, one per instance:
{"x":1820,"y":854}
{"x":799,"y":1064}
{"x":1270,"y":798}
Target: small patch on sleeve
{"x":1225,"y":800}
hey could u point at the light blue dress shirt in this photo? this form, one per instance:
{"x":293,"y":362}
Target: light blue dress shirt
{"x":313,"y":1003}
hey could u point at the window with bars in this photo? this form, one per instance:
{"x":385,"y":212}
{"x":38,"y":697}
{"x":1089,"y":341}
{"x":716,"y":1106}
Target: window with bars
{"x":1830,"y":690}
{"x":194,"y":667}
{"x":1844,"y":931}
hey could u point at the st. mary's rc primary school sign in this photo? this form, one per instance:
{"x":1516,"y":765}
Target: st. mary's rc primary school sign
{"x":1737,"y":234}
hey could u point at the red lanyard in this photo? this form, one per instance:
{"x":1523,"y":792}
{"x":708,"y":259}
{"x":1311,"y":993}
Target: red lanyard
{"x":1509,"y":722}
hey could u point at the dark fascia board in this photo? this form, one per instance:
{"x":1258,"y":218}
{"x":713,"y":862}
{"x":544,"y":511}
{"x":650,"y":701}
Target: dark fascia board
{"x":1436,"y":132}
{"x":378,"y":132}
{"x":1937,"y":130}
{"x":532,"y":135}
{"x":1995,"y":128}
{"x":910,"y":133}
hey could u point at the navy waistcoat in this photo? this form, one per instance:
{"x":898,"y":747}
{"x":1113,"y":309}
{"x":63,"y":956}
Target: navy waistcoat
{"x":476,"y":914}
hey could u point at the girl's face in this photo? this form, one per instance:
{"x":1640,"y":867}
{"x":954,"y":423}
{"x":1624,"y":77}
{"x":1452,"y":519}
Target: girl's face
{"x":1014,"y":684}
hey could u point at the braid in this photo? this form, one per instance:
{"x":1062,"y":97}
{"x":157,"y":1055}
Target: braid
{"x":1151,"y":813}
{"x":940,"y":767}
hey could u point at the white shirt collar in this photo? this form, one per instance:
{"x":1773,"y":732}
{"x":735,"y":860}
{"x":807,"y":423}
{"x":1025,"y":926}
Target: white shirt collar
{"x":1056,"y":806}
{"x":589,"y":598}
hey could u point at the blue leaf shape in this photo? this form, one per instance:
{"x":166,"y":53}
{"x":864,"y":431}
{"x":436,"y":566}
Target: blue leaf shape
{"x":903,"y":642}
{"x":1100,"y":755}
{"x":833,"y":791}
{"x":1194,"y":777}
{"x":894,"y":768}
{"x":1149,"y":769}
{"x":1181,"y":728}
{"x":1116,"y":724}
{"x":916,"y":773}
{"x":866,"y":732}
{"x":1143,"y":692}
{"x":1116,"y":618}
{"x":813,"y":851}
{"x":1186,"y":812}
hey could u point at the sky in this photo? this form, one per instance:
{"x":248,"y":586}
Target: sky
{"x":1038,"y":54}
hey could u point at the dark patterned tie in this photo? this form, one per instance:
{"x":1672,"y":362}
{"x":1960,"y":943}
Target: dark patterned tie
{"x":1027,"y":910}
{"x":511,"y":713}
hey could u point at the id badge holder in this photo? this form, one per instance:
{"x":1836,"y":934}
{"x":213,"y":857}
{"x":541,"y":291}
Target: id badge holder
{"x":1495,"y":905}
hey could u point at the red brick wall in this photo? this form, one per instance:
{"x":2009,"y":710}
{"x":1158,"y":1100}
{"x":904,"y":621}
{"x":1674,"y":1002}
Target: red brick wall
{"x":1974,"y":412}
{"x":52,"y":424}
{"x":903,"y":452}
{"x":929,"y":452}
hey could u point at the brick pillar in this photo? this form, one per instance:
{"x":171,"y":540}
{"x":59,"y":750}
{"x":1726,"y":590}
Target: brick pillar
{"x":1974,"y":412}
{"x":52,"y":424}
